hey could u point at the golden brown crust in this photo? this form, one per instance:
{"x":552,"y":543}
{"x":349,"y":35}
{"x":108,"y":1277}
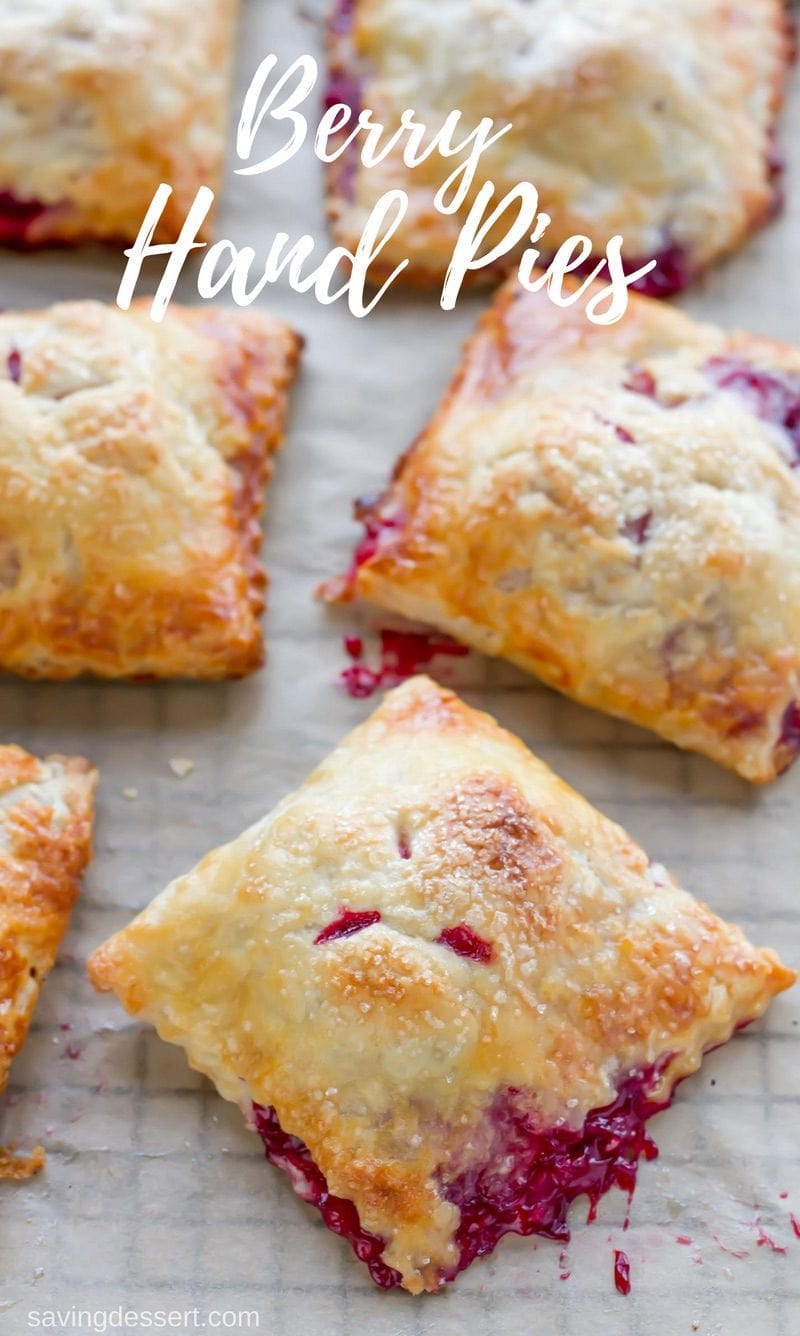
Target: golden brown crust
{"x":103,"y":102}
{"x":133,"y":458}
{"x":613,"y":510}
{"x":382,"y":1050}
{"x":627,"y":122}
{"x":45,"y":845}
{"x":20,"y":1167}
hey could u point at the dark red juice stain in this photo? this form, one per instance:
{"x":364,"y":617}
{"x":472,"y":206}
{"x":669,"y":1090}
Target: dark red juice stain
{"x":466,"y":943}
{"x":795,"y":1223}
{"x":347,"y":922}
{"x":622,"y":1272}
{"x":402,"y":654}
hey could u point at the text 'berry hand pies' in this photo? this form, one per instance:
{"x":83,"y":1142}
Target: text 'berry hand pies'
{"x":445,"y":990}
{"x":132,"y":463}
{"x":631,"y":117}
{"x":618,"y":511}
{"x":45,"y":844}
{"x":101,"y":102}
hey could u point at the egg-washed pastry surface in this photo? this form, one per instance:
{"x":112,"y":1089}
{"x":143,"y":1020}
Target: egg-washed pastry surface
{"x":100,"y":102}
{"x":133,"y":457}
{"x":446,"y":990}
{"x":630,"y":117}
{"x":45,"y":843}
{"x":616,"y":509}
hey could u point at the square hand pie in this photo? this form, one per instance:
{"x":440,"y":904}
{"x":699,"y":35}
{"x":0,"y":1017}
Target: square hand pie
{"x":132,"y":463}
{"x":100,"y":102}
{"x":445,"y":990}
{"x":630,"y":117}
{"x":45,"y":844}
{"x":618,"y":511}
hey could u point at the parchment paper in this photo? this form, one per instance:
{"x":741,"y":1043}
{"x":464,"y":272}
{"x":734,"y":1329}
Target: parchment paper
{"x":154,"y":1195}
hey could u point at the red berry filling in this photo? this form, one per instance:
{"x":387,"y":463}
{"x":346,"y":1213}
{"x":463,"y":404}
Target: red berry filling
{"x":466,"y":943}
{"x":403,"y":845}
{"x":641,"y":382}
{"x":14,"y":365}
{"x":672,"y":273}
{"x":347,"y":922}
{"x":788,"y":744}
{"x":340,"y":1215}
{"x":774,"y":397}
{"x":343,"y":87}
{"x":403,"y":653}
{"x":16,"y":218}
{"x":526,"y":1186}
{"x":534,"y":1175}
{"x":638,"y":529}
{"x":622,"y":1272}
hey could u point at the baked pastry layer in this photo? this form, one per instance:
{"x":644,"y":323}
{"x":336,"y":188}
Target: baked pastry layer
{"x":630,"y":118}
{"x":45,"y":844}
{"x":133,"y":458}
{"x":618,"y":511}
{"x":100,"y":102}
{"x":432,"y":961}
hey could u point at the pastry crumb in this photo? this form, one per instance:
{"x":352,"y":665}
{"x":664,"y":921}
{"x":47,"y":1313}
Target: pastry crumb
{"x":131,"y":794}
{"x":20,"y":1166}
{"x":181,"y":766}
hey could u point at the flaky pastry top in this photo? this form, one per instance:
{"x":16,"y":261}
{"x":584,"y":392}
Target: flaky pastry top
{"x":618,"y":511}
{"x":630,"y":117}
{"x":133,"y":458}
{"x":103,"y":100}
{"x":383,"y":1049}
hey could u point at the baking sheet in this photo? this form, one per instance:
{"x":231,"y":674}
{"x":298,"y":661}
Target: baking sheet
{"x":154,"y":1196}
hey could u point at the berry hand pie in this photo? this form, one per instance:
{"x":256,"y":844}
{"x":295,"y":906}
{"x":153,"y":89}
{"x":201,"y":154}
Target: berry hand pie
{"x":446,"y":992}
{"x":101,"y":102}
{"x":132,"y":463}
{"x":631,"y":117}
{"x":45,"y":844}
{"x":618,"y":511}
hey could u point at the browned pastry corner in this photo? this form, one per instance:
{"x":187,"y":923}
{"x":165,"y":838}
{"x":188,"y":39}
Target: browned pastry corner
{"x":133,"y":459}
{"x":617,"y":510}
{"x":45,"y":844}
{"x":428,"y":969}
